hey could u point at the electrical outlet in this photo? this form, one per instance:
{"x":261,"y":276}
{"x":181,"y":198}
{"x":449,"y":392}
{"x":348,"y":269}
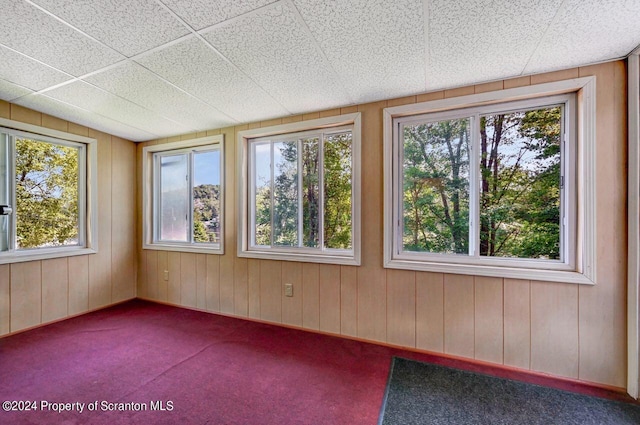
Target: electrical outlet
{"x":288,"y":290}
{"x":166,"y":275}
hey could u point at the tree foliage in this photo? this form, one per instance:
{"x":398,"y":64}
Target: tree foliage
{"x":206,"y":213}
{"x":46,"y":194}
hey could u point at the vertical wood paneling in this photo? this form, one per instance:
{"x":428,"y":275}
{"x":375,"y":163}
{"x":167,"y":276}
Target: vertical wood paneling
{"x":401,"y":307}
{"x":253,"y":287}
{"x":5,"y":109}
{"x":311,"y":296}
{"x":489,"y":319}
{"x":5,"y":296}
{"x":226,"y":284}
{"x":430,"y":311}
{"x":162,"y":284}
{"x":26,"y":295}
{"x":22,"y":114}
{"x":78,"y":284}
{"x":372,"y":304}
{"x":330,"y":298}
{"x":241,"y":282}
{"x":213,"y":283}
{"x":348,"y":301}
{"x":100,"y":271}
{"x":459,"y":315}
{"x":188,"y":285}
{"x":292,"y":306}
{"x":201,"y":281}
{"x":55,"y":289}
{"x":517,"y":323}
{"x":271,"y":290}
{"x":554,"y":328}
{"x":173,"y":286}
{"x":141,"y":284}
{"x":151,"y":271}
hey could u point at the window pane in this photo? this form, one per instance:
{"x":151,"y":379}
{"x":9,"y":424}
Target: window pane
{"x":46,"y":194}
{"x":520,"y":187}
{"x":337,"y":191}
{"x":310,"y":193}
{"x":285,"y":198}
{"x":261,"y":154}
{"x":206,"y":197}
{"x":174,"y":198}
{"x":436,"y":187}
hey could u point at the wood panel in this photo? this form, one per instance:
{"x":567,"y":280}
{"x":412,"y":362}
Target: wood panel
{"x":372,"y":304}
{"x":271,"y":290}
{"x":430,"y":311}
{"x":240,"y":288}
{"x":517,"y":323}
{"x":459,"y":315}
{"x":201,"y":281}
{"x":151,"y":272}
{"x":489,"y":319}
{"x":348,"y":301}
{"x":253,"y":288}
{"x":188,"y":285}
{"x":173,"y":285}
{"x":78,"y":285}
{"x":22,"y":114}
{"x":311,"y":296}
{"x":5,"y":109}
{"x":162,"y":283}
{"x":5,"y":296}
{"x":554,"y":328}
{"x":26,"y":295}
{"x":292,"y":306}
{"x":226,"y":284}
{"x":330,"y":298}
{"x":401,"y":307}
{"x":212,"y":290}
{"x":55,"y":289}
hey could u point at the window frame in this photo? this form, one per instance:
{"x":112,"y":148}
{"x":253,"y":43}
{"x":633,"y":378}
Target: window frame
{"x":87,"y":193}
{"x":150,"y":201}
{"x":579,"y":257}
{"x":327,"y":125}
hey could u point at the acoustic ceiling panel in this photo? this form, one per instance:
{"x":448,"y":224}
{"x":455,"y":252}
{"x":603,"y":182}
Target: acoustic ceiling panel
{"x":130,"y":27}
{"x":194,"y":67}
{"x":33,"y":32}
{"x":200,"y":14}
{"x":376,"y":47}
{"x":276,"y":51}
{"x":27,"y":72}
{"x":10,"y":91}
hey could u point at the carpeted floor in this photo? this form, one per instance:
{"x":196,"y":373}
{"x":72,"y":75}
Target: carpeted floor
{"x":421,"y":393}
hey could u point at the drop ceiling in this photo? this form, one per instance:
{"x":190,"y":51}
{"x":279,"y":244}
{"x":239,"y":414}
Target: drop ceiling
{"x":146,"y":69}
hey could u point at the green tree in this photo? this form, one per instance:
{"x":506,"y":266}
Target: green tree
{"x":46,"y":194}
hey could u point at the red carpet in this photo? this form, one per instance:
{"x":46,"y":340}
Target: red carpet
{"x":205,"y":369}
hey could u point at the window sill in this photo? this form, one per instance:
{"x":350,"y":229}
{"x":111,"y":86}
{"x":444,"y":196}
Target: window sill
{"x":218,"y":250}
{"x":562,"y":276}
{"x":44,"y":254}
{"x":302,"y":258}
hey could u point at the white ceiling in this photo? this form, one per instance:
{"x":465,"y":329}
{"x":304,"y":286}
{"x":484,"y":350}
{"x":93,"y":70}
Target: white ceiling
{"x":145,"y":69}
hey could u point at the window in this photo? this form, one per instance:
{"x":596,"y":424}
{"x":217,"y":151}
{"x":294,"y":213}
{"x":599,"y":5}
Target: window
{"x":184,"y":202}
{"x":302,"y":191}
{"x":46,"y":202}
{"x":490,"y":188}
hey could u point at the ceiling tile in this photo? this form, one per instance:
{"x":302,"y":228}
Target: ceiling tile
{"x":196,"y":68}
{"x":137,"y":84}
{"x":74,"y":114}
{"x":203,"y":13}
{"x":377,"y":47}
{"x":130,"y":27}
{"x":106,"y":104}
{"x":481,"y":40}
{"x":274,"y":50}
{"x":27,"y":72}
{"x":10,"y":91}
{"x":36,"y":34}
{"x":588,"y":31}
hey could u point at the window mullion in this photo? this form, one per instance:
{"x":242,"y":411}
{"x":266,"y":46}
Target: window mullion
{"x":321,"y":191}
{"x":300,"y":144}
{"x":474,"y":187}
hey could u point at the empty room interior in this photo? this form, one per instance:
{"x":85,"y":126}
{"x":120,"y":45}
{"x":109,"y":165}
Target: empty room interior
{"x":319,"y":211}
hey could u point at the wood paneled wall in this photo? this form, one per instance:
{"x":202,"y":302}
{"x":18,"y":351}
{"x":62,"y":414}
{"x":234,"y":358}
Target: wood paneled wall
{"x":561,"y":329}
{"x":37,"y":292}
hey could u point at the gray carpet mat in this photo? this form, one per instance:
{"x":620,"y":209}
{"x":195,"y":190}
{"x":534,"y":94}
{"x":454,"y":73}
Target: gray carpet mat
{"x":420,"y":393}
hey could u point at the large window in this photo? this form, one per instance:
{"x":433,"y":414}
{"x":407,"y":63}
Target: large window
{"x":302,"y":191}
{"x":184,"y":202}
{"x":490,"y":188}
{"x":44,"y":197}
